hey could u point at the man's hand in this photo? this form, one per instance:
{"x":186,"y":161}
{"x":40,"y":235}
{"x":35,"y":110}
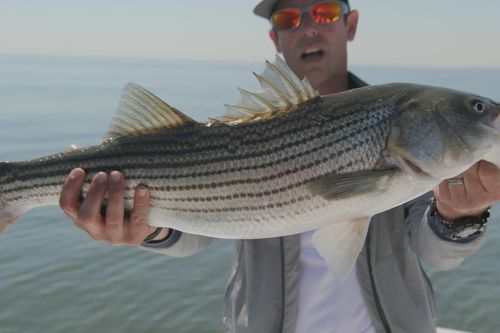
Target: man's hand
{"x":480,"y":189}
{"x":114,"y":228}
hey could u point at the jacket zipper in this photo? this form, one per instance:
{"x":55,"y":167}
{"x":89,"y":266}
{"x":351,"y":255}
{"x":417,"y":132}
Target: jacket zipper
{"x":283,"y":288}
{"x":378,"y":306}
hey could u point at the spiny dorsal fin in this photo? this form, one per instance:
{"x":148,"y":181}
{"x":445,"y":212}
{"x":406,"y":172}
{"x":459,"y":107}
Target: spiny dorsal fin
{"x":282,"y":91}
{"x":141,"y":112}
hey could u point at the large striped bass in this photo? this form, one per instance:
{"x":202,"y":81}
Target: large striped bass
{"x":285,"y":161}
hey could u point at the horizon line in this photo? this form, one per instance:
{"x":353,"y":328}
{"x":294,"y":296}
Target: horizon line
{"x":236,"y":61}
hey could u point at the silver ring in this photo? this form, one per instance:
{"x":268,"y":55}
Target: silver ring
{"x":455,"y":181}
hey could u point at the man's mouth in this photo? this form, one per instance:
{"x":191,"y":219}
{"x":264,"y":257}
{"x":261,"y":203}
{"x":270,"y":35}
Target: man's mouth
{"x":312,"y":54}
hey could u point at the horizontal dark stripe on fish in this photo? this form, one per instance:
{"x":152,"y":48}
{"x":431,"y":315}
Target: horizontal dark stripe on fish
{"x":281,"y":204}
{"x":236,"y":195}
{"x":264,"y":179}
{"x":134,"y":166}
{"x":149,"y":154}
{"x":101,"y":163}
{"x":137,"y":148}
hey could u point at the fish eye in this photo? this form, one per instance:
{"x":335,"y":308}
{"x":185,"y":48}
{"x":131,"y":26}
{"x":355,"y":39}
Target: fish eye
{"x":478,"y":106}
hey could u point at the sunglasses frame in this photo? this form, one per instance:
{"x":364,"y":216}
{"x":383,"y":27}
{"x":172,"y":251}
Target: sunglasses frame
{"x":344,"y":9}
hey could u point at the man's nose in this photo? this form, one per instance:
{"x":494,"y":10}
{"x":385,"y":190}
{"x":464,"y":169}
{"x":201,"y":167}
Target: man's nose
{"x":308,"y":27}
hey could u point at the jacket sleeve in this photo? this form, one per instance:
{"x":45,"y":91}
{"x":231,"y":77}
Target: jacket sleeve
{"x":179,"y":244}
{"x":440,"y":253}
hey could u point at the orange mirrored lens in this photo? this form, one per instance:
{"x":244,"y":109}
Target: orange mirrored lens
{"x":287,"y":18}
{"x":325,"y":12}
{"x":321,"y":13}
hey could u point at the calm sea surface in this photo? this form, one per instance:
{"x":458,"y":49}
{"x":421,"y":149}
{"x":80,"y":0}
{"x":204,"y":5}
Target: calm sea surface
{"x":53,"y":278}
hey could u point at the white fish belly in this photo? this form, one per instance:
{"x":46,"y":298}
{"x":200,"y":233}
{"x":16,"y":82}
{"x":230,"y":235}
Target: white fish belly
{"x":305,"y":212}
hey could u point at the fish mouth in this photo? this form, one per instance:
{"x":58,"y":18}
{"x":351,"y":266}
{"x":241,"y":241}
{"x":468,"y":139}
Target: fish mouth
{"x":496,"y":123}
{"x":312,"y":54}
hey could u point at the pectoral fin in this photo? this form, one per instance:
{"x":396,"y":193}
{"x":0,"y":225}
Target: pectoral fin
{"x":342,"y":186}
{"x":340,"y":244}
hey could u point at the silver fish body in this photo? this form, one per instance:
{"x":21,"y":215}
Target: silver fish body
{"x":326,"y":159}
{"x":247,"y":174}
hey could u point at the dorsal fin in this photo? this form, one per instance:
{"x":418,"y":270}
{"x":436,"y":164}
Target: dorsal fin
{"x":282,"y":91}
{"x":141,"y":112}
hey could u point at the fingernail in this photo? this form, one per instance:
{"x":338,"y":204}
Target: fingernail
{"x":116,"y":176}
{"x":75,"y":174}
{"x":141,"y":191}
{"x":101,"y":177}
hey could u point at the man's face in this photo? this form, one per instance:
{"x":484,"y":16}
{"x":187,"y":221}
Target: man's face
{"x":318,"y":52}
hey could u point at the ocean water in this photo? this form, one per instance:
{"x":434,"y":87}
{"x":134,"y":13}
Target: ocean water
{"x":53,"y":278}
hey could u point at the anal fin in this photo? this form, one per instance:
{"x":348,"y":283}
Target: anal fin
{"x":340,"y":244}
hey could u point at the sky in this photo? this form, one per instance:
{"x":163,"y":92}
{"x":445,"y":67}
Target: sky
{"x":444,"y":33}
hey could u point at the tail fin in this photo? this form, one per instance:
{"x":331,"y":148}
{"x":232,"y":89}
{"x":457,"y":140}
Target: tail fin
{"x":8,"y":213}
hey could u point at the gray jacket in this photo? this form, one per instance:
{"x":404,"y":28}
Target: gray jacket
{"x":262,"y":295}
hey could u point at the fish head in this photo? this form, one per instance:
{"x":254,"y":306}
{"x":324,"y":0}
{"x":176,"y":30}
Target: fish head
{"x":439,"y":133}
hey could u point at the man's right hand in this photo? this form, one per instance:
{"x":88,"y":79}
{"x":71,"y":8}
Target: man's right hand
{"x":114,"y":227}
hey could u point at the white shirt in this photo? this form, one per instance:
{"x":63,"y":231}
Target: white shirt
{"x":326,"y":305}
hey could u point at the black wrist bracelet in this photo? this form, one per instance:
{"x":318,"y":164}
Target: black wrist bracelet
{"x":463,"y":228}
{"x":152,"y":235}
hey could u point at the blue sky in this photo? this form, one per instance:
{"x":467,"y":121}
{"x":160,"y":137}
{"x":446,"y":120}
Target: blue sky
{"x":436,"y":33}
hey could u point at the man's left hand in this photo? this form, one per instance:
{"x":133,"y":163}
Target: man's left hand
{"x":480,"y":189}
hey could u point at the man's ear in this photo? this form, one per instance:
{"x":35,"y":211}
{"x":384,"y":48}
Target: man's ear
{"x":274,"y":37}
{"x":352,"y":24}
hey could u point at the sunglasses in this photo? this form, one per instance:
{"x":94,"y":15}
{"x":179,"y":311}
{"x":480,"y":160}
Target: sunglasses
{"x":321,"y":13}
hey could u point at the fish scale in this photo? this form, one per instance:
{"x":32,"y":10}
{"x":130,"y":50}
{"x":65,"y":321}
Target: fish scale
{"x":278,"y":165}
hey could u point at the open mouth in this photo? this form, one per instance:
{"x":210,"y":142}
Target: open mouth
{"x":312,"y":54}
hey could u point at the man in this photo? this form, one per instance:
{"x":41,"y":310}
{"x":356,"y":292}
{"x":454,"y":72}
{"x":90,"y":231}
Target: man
{"x":281,"y":284}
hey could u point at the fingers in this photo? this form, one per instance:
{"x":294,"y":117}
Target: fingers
{"x":489,"y":176}
{"x":117,"y":229}
{"x":442,"y":192}
{"x":69,"y":200}
{"x":115,"y":210}
{"x":112,"y":228}
{"x":138,"y":228}
{"x":473,"y":186}
{"x":446,"y":200}
{"x":473,"y":196}
{"x":89,"y":216}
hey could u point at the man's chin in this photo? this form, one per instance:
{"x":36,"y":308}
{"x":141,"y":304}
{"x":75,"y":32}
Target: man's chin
{"x":315,"y":70}
{"x":316,"y":77}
